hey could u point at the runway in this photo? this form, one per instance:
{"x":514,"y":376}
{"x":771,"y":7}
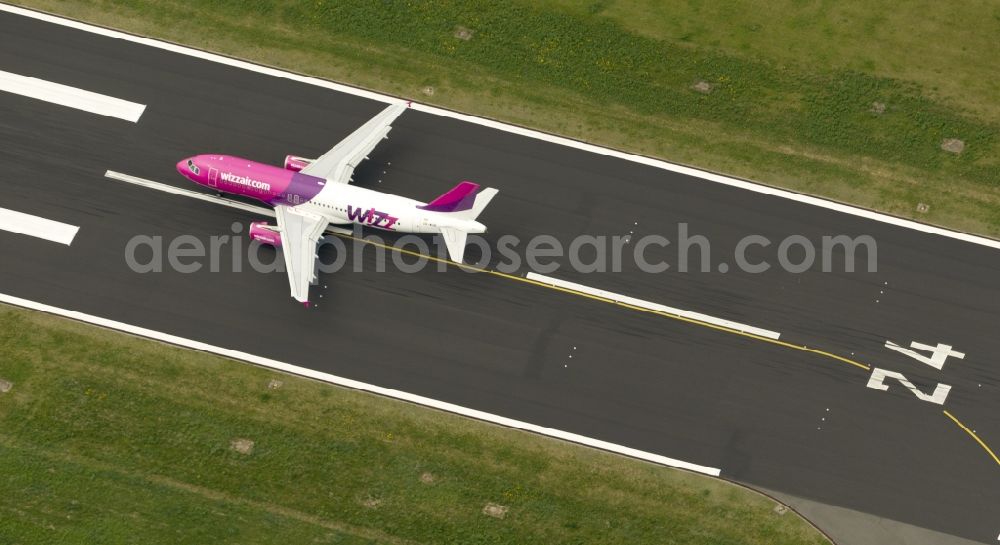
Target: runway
{"x":767,"y":414}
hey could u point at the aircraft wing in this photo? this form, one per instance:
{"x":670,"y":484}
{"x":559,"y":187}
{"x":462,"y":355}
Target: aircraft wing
{"x":337,"y":165}
{"x":300,"y":232}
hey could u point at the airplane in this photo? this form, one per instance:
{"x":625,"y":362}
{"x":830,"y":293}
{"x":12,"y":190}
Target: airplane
{"x":310,"y":194}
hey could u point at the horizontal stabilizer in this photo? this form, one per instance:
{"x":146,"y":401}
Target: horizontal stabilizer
{"x":454,"y":240}
{"x":482,"y":199}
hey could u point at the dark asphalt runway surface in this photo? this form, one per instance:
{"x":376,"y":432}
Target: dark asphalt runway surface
{"x":766,"y":415}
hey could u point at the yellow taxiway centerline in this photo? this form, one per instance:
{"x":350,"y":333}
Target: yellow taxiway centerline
{"x":974,"y":436}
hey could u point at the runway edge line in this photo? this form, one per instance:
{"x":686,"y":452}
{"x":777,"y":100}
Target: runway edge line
{"x":514,"y":129}
{"x":357,"y":385}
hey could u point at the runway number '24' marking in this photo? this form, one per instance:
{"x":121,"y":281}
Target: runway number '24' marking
{"x":938,"y":355}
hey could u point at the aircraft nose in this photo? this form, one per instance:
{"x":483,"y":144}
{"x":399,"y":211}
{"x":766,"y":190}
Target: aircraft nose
{"x":182,"y":166}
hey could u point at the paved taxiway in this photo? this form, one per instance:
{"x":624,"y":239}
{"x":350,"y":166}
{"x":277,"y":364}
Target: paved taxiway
{"x":767,"y":415}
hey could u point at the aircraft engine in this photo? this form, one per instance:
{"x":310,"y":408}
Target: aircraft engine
{"x":267,"y":234}
{"x":296,"y":163}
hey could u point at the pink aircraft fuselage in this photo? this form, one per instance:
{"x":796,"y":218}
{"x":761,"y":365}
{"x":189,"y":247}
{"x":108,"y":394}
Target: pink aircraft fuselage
{"x":270,"y":184}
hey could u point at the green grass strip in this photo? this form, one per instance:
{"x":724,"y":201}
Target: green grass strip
{"x":110,"y":438}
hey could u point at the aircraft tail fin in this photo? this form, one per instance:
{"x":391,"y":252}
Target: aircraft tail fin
{"x":462,"y":200}
{"x":457,"y":199}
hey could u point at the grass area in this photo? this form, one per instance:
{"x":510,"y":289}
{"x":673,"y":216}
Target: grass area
{"x":930,"y":43}
{"x":793,"y":82}
{"x":107,"y":438}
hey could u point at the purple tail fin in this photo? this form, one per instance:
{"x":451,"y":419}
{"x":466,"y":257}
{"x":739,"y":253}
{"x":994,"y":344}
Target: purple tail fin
{"x":457,"y":199}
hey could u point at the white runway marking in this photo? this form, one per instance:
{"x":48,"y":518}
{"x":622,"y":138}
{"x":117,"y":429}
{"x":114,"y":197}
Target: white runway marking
{"x":653,"y":306}
{"x":262,"y":210}
{"x":348,"y":383}
{"x":656,"y":163}
{"x":188,"y":193}
{"x":72,"y":97}
{"x":26,"y":224}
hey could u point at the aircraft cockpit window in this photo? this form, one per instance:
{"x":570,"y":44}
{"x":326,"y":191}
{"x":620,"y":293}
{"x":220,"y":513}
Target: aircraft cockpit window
{"x":193,"y":167}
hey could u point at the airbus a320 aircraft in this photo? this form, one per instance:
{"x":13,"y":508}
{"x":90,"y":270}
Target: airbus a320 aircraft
{"x":308,"y":195}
